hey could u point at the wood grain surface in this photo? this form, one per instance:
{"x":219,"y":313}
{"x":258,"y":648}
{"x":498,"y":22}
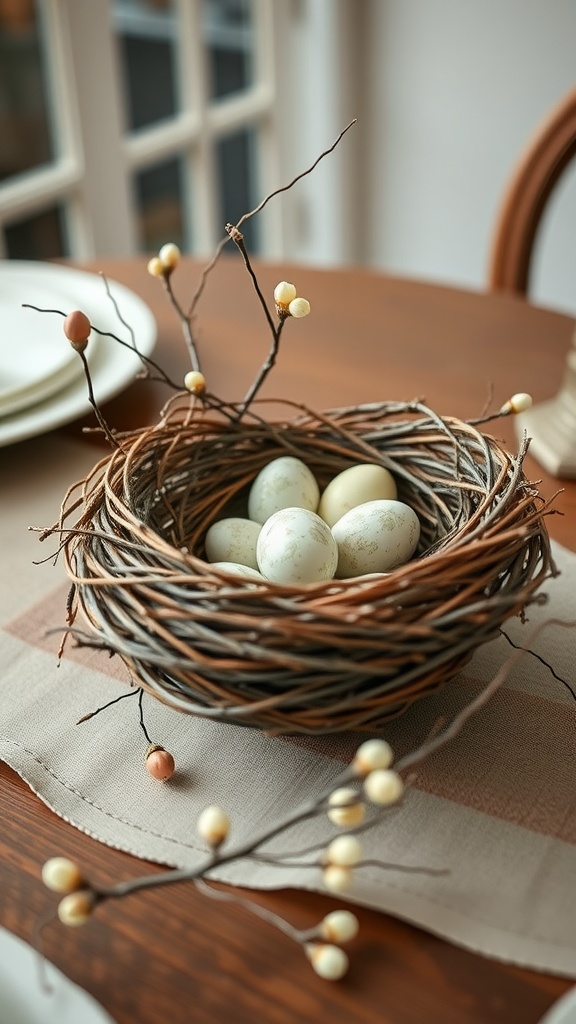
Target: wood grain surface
{"x":173,"y":955}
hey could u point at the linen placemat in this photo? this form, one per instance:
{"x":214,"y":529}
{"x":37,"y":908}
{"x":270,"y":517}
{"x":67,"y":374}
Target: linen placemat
{"x":496,"y":809}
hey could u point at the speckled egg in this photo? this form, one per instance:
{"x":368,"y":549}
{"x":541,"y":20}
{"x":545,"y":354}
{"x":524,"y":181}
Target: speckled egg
{"x":235,"y":569}
{"x":355,"y":486}
{"x":375,"y":537}
{"x":285,"y":482}
{"x":296,"y":546}
{"x":233,"y":540}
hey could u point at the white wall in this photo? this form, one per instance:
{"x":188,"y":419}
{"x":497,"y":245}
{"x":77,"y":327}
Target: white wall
{"x":452,"y":90}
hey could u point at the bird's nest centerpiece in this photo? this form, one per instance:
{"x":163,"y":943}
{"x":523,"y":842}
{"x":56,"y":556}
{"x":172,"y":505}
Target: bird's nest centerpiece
{"x":331,"y":655}
{"x":323,"y":657}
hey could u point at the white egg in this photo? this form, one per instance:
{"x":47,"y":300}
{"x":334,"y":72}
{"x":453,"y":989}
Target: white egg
{"x":375,"y":537}
{"x":239,"y":570}
{"x":285,"y":482}
{"x":233,"y":540}
{"x":296,"y":546}
{"x":355,"y":486}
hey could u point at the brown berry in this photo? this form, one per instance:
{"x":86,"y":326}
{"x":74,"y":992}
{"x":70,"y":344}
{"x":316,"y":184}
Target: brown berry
{"x":77,"y":329}
{"x":159,"y":763}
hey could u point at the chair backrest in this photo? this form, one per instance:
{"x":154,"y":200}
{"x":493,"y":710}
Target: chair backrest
{"x":547,"y":154}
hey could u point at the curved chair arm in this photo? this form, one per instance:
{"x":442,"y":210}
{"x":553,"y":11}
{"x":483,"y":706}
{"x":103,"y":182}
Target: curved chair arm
{"x":544,"y":159}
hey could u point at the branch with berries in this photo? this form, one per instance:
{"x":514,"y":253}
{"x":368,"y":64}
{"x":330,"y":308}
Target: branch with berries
{"x":356,"y":801}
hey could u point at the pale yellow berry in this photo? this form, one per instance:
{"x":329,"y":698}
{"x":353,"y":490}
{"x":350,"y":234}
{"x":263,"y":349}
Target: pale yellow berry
{"x":299,"y":307}
{"x":337,"y":878}
{"x":213,"y":825}
{"x":155,"y":267}
{"x":169,"y":256}
{"x":371,"y":755}
{"x":383,"y":787}
{"x":61,"y":875}
{"x":284,"y":293}
{"x":339,"y":926}
{"x":346,"y":809}
{"x":76,"y":908}
{"x":520,"y":402}
{"x":329,"y":962}
{"x":195,"y":383}
{"x":344,"y":851}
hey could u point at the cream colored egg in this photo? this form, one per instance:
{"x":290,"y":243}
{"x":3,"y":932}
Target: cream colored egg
{"x":355,"y":486}
{"x":233,"y":540}
{"x":296,"y":546}
{"x":375,"y":537}
{"x":235,"y":569}
{"x":285,"y":482}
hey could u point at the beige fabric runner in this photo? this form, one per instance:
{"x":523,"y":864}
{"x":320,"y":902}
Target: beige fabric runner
{"x":496,"y":808}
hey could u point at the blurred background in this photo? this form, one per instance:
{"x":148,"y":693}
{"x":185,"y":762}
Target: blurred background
{"x":128,"y":123}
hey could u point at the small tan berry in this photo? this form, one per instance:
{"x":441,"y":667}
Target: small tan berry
{"x":339,"y":926}
{"x":155,"y":267}
{"x":61,"y":875}
{"x":284,"y":292}
{"x":77,"y":907}
{"x":329,"y":962}
{"x":345,"y":808}
{"x":383,"y":787}
{"x":371,"y":755}
{"x":299,"y":307}
{"x":345,"y":851}
{"x":213,"y":825}
{"x":521,"y":402}
{"x":195,"y":383}
{"x":169,"y":256}
{"x":337,"y":878}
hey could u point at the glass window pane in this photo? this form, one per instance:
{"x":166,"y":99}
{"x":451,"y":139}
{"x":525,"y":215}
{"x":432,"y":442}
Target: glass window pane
{"x":237,"y":172}
{"x":146,"y":32}
{"x":41,"y":237}
{"x":159,"y":194}
{"x":229,"y":40}
{"x":25,"y":131}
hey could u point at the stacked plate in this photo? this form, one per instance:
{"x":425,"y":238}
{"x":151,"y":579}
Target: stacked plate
{"x":42,"y":382}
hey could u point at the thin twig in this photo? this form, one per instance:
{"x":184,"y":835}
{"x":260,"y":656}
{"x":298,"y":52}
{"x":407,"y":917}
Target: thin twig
{"x":257,"y":209}
{"x":91,"y":714}
{"x":146,"y":360}
{"x":141,"y":710}
{"x":185,"y":322}
{"x":542,"y":661}
{"x":276,"y":329}
{"x":254,"y":908}
{"x":303,"y":174}
{"x":91,"y":398}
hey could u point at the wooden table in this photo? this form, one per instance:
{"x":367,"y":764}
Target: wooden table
{"x":170,"y":955}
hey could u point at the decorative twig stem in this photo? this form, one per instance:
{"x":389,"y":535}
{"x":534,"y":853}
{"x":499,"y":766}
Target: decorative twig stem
{"x":275,"y":328}
{"x":251,"y":213}
{"x":185,"y":322}
{"x":92,"y":399}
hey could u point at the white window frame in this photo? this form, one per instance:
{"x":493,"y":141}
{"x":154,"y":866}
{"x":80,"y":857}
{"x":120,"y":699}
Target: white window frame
{"x":302,"y":51}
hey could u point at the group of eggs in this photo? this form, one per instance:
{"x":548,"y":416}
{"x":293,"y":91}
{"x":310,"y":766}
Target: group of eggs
{"x":295,"y":535}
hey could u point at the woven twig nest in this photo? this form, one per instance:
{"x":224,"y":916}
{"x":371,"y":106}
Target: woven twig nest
{"x":326,"y":657}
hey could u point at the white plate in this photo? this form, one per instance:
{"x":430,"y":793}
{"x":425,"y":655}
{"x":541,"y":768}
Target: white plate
{"x":23,"y":1000}
{"x":113,"y":366}
{"x":563,"y":1011}
{"x":35,"y":359}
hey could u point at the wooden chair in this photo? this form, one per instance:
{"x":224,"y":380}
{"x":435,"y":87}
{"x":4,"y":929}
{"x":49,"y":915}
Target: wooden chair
{"x":548,"y":152}
{"x":551,"y":425}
